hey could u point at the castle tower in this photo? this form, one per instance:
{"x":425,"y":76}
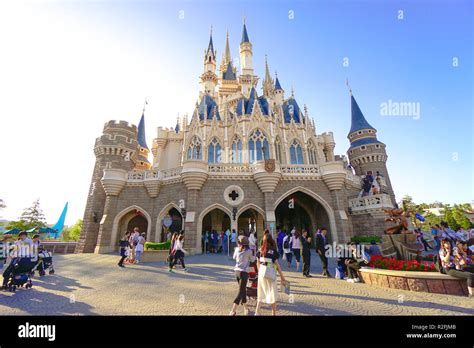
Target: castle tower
{"x":115,"y":150}
{"x":226,"y":57}
{"x":209,"y":77}
{"x":142,"y":162}
{"x":247,"y":78}
{"x":278,"y":91}
{"x":268,"y":81}
{"x":366,"y":152}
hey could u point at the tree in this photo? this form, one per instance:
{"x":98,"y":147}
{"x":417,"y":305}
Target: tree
{"x":31,"y":217}
{"x":73,"y":232}
{"x":460,"y":217}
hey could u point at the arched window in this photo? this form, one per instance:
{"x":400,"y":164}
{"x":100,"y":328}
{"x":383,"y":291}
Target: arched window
{"x":278,"y":153}
{"x":195,"y":149}
{"x":296,"y":153}
{"x":237,"y":150}
{"x":258,"y":145}
{"x":214,"y":151}
{"x":312,"y":153}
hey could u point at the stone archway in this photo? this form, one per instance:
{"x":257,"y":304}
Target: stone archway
{"x":321,"y":216}
{"x":122,"y":221}
{"x":251,"y":216}
{"x":173,"y":210}
{"x":200,"y":221}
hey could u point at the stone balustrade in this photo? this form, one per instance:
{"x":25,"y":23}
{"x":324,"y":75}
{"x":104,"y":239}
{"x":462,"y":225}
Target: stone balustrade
{"x":300,"y":169}
{"x":366,"y":204}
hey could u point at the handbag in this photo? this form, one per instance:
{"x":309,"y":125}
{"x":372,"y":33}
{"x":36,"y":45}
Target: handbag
{"x":286,"y":287}
{"x":269,"y":272}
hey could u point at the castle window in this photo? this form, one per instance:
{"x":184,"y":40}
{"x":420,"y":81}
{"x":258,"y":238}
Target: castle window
{"x":377,"y":146}
{"x":362,"y":147}
{"x":359,"y":132}
{"x":296,"y":153}
{"x":258,"y":144}
{"x":214,"y":151}
{"x":237,"y":150}
{"x":312,"y":153}
{"x":195,"y":149}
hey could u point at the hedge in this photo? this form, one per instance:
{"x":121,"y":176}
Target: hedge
{"x":157,"y":246}
{"x":366,"y":239}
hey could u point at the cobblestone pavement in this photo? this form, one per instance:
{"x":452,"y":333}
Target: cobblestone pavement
{"x":89,"y":284}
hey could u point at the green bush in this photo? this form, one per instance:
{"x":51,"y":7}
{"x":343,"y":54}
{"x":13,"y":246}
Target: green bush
{"x":157,"y":246}
{"x":366,"y":239}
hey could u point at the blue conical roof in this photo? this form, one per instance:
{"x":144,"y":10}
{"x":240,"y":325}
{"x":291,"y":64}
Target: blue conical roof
{"x":245,"y":36}
{"x":229,"y":73}
{"x":277,"y":85}
{"x":141,"y":133}
{"x":210,"y":47}
{"x":358,"y":120}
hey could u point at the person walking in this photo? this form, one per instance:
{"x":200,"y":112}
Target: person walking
{"x":174,"y":237}
{"x":296,"y":247}
{"x":305,"y":241}
{"x":233,"y":240}
{"x":179,"y":253}
{"x":321,"y":242}
{"x":280,"y":237}
{"x":268,"y":266}
{"x":287,"y":249}
{"x":124,"y":247}
{"x":243,"y":257}
{"x":139,"y":248}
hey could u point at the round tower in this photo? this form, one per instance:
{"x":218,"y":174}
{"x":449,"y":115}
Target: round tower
{"x":116,"y":149}
{"x":366,"y":153}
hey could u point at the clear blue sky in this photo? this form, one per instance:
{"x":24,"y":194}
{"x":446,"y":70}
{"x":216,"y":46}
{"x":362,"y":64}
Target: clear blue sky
{"x":89,"y":62}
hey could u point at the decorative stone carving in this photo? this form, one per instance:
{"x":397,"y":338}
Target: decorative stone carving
{"x":267,"y":182}
{"x":234,"y":195}
{"x":334,"y":174}
{"x":194,"y":174}
{"x":114,"y":181}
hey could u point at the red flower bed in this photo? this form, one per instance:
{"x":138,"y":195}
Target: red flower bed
{"x":401,"y":265}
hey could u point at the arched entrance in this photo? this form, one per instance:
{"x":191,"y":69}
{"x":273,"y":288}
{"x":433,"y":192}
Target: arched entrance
{"x":170,"y":214}
{"x":126,"y":220}
{"x":251,"y":219}
{"x":302,"y":208}
{"x":216,"y":217}
{"x":215,"y":220}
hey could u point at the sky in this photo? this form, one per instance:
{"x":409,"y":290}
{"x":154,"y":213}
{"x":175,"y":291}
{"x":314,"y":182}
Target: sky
{"x":67,"y":67}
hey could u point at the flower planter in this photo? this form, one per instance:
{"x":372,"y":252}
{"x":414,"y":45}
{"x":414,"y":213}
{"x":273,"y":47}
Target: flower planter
{"x":433,"y":282}
{"x":154,"y":256}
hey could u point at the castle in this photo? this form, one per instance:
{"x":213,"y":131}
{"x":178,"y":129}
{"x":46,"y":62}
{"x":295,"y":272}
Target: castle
{"x":243,"y":161}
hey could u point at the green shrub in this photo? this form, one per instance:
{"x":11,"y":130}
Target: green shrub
{"x":157,"y":246}
{"x":366,"y":239}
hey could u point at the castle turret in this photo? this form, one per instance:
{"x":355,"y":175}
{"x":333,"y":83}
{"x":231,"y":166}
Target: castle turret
{"x":142,"y":162}
{"x":367,"y":153}
{"x":209,"y":77}
{"x":247,"y":78}
{"x":115,"y":152}
{"x":268,"y":81}
{"x":278,"y":91}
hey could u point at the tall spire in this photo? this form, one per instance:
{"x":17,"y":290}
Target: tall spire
{"x":227,"y":56}
{"x":245,"y":36}
{"x":267,"y":71}
{"x":358,"y":120}
{"x":141,"y":132}
{"x":210,"y":47}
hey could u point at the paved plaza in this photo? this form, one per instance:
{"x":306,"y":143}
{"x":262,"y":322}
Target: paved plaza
{"x":90,"y":284}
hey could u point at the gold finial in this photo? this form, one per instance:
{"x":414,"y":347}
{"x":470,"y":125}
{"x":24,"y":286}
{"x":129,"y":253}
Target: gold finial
{"x":347,"y":84}
{"x":292,"y":92}
{"x":211,"y":29}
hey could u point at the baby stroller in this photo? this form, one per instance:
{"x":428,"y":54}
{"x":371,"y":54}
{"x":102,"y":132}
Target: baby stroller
{"x":45,"y":262}
{"x":18,"y":272}
{"x":252,"y":285}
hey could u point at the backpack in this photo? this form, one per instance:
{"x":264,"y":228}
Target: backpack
{"x":286,"y":244}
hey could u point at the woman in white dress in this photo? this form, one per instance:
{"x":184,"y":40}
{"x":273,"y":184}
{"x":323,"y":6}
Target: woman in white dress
{"x":268,"y":266}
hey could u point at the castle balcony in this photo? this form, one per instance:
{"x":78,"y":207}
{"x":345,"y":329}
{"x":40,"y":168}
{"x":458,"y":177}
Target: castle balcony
{"x":138,"y":176}
{"x":369,"y":204}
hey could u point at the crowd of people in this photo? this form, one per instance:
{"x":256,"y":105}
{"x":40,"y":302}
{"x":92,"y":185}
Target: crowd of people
{"x":132,"y":246}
